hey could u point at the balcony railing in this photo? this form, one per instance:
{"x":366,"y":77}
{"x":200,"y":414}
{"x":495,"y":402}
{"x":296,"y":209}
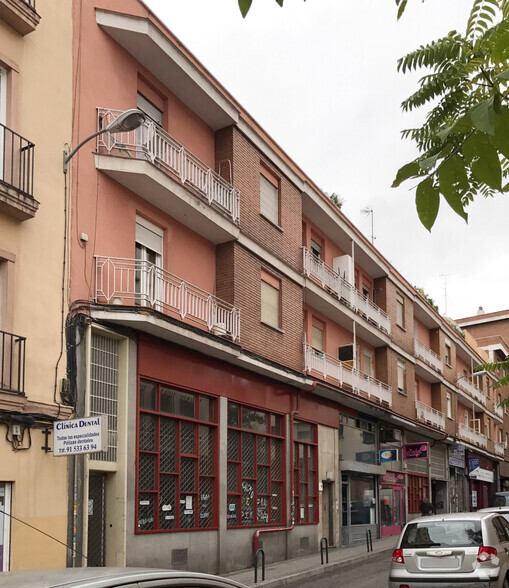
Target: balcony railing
{"x":360,"y":383}
{"x":471,"y":389}
{"x":499,"y":448}
{"x":16,"y":161}
{"x":471,"y":435}
{"x":430,"y":415}
{"x":348,"y":294}
{"x":152,"y":143}
{"x":428,"y":356}
{"x":499,"y":411}
{"x":12,"y":366}
{"x":133,"y":282}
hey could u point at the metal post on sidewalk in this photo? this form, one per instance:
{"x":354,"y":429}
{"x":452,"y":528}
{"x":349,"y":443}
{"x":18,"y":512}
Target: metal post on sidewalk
{"x":262,"y":552}
{"x":324,"y":546}
{"x":369,"y":540}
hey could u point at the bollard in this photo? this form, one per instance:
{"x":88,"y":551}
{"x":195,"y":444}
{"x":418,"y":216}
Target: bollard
{"x":324,"y":542}
{"x":369,"y":540}
{"x":256,"y":565}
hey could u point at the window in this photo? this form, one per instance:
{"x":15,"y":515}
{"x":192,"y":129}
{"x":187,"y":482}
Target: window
{"x":366,"y":291}
{"x":177,"y":442}
{"x":3,"y":117}
{"x":401,"y":376}
{"x":467,"y":418}
{"x":316,"y":249}
{"x":5,"y":525}
{"x":150,"y":109}
{"x":304,"y":472}
{"x":447,"y":352}
{"x":367,"y":361}
{"x":269,"y":200}
{"x":317,"y":338}
{"x":358,"y":440}
{"x":270,"y":299}
{"x":400,"y":309}
{"x":149,"y":286}
{"x":449,"y":405}
{"x":488,"y":428}
{"x":255,"y":467}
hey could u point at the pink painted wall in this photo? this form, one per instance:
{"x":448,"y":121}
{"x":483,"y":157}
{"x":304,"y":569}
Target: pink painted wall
{"x":101,"y":208}
{"x":422,"y":333}
{"x":424,"y":391}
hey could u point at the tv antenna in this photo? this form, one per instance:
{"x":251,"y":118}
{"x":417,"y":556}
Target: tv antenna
{"x":445,"y":292}
{"x":369,"y":211}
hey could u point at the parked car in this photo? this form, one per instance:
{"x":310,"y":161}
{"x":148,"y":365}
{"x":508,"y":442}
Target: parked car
{"x":461,"y":550}
{"x":501,"y":510}
{"x":500,"y":499}
{"x":112,"y":578}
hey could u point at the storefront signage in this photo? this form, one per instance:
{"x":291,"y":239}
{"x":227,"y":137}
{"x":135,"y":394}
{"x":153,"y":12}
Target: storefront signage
{"x":457,"y":456}
{"x":88,"y":435}
{"x":388,"y":455}
{"x":392,"y":478}
{"x":477,"y":473}
{"x":416,"y":450}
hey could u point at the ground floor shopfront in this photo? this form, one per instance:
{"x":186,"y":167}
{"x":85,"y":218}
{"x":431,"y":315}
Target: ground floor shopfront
{"x":481,"y":478}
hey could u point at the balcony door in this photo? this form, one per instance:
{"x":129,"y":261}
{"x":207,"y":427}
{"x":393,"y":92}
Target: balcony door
{"x":3,"y":117}
{"x":5,"y":525}
{"x":149,"y":283}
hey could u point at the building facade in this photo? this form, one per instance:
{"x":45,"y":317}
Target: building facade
{"x":35,"y":123}
{"x":267,"y":376}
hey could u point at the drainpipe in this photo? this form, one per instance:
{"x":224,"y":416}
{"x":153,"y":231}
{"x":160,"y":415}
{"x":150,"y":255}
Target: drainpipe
{"x":258,"y":532}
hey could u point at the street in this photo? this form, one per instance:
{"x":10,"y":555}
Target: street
{"x":370,"y":574}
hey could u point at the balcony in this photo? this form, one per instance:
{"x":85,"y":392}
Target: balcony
{"x":16,"y":175}
{"x":499,"y":411}
{"x":132,"y":282}
{"x":428,"y":356}
{"x":430,"y":416}
{"x":155,"y":166}
{"x":360,"y":383}
{"x":12,"y":366}
{"x":471,"y":389}
{"x":499,"y":448}
{"x":20,"y":15}
{"x":471,"y":435}
{"x":347,"y":294}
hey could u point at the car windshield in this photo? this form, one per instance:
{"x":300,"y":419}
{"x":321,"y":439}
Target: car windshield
{"x":442,"y":534}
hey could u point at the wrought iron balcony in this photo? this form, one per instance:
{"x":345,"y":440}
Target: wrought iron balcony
{"x":430,"y":415}
{"x":361,"y":383}
{"x":428,"y":356}
{"x":346,"y":292}
{"x":152,"y":143}
{"x":471,"y":389}
{"x":134,"y":282}
{"x":12,"y":363}
{"x":471,"y":435}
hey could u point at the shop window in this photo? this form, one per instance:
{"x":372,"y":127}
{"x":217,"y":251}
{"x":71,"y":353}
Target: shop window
{"x":362,"y":500}
{"x":270,"y":300}
{"x":255,"y":471}
{"x":305,"y":472}
{"x":177,"y":471}
{"x":418,"y":488}
{"x":358,"y":440}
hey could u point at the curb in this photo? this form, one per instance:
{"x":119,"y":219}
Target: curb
{"x":317,"y":571}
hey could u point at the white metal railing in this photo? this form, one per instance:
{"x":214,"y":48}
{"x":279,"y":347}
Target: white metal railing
{"x":140,"y":283}
{"x":346,"y":292}
{"x":471,"y":389}
{"x":430,"y":415}
{"x":329,"y":366}
{"x":499,"y":411}
{"x":428,"y":356}
{"x":152,"y":143}
{"x":471,"y":435}
{"x":499,"y":448}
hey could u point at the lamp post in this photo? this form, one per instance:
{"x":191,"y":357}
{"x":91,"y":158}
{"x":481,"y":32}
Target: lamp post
{"x":129,"y":120}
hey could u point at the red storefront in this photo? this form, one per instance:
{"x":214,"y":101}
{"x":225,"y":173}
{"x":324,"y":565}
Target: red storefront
{"x":481,"y":477}
{"x":392,"y":503}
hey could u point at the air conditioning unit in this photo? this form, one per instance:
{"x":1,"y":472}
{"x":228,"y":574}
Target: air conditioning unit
{"x":390,"y":435}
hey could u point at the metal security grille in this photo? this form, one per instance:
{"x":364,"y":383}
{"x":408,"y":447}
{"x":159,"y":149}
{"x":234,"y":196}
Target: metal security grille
{"x":104,"y":389}
{"x":177,"y":478}
{"x":255,"y":467}
{"x":96,"y":521}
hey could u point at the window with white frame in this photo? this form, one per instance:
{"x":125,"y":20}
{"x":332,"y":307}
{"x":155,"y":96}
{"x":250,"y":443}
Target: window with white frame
{"x":149,"y":253}
{"x":449,"y":405}
{"x":5,"y":525}
{"x":317,"y":337}
{"x":400,"y":309}
{"x":270,"y":300}
{"x":367,"y":362}
{"x":401,"y":376}
{"x":447,"y":352}
{"x":269,"y":200}
{"x":150,"y":109}
{"x":316,"y":248}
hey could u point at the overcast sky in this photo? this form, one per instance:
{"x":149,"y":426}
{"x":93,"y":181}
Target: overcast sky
{"x":320,"y":77}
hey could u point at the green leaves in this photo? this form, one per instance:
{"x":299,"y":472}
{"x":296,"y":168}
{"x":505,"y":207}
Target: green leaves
{"x":409,"y":170}
{"x":483,"y":116}
{"x":244,"y":6}
{"x":483,"y":159}
{"x":427,"y":202}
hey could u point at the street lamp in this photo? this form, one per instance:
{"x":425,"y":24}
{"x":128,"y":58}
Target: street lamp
{"x":126,"y":121}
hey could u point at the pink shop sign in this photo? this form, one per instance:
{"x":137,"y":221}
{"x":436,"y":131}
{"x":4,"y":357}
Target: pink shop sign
{"x":416,"y":450}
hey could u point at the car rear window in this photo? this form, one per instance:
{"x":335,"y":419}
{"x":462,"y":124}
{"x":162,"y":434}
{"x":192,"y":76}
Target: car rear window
{"x":442,"y":534}
{"x":500,"y":500}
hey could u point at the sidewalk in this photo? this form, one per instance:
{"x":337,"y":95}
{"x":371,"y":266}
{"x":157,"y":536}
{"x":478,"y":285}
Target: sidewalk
{"x":284,"y":572}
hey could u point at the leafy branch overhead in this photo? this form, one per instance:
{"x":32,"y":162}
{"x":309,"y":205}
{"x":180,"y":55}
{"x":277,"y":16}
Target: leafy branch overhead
{"x":245,"y":5}
{"x":464,"y":142}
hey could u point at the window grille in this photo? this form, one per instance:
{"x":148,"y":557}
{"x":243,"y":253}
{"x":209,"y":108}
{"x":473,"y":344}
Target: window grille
{"x":104,"y":390}
{"x":177,"y":478}
{"x":255,"y":467}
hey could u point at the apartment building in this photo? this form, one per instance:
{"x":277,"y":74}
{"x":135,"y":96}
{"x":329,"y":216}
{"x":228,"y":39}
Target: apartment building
{"x":35,"y":123}
{"x":268,"y":377}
